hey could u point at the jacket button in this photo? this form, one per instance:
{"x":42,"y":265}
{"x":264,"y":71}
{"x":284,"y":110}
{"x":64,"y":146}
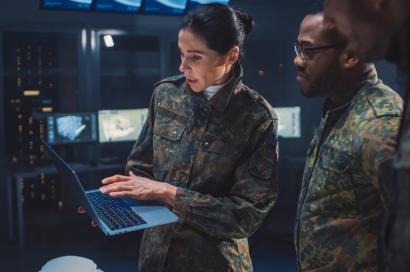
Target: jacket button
{"x":206,"y":143}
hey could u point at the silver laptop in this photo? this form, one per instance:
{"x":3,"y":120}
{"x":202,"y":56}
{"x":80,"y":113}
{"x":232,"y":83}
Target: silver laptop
{"x":113,"y":215}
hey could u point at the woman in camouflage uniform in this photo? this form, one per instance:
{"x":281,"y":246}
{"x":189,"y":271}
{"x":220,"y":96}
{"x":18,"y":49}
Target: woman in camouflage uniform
{"x":207,"y":150}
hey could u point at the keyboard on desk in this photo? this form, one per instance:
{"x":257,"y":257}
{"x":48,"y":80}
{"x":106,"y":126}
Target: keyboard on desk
{"x":113,"y":211}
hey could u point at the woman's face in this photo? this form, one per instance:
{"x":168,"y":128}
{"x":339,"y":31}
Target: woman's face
{"x":200,"y":65}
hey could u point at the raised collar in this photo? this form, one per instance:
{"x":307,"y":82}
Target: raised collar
{"x":220,"y":100}
{"x":357,"y":93}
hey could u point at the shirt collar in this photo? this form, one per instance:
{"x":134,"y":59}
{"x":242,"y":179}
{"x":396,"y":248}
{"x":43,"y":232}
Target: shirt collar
{"x":330,"y":107}
{"x":221,"y":99}
{"x":214,"y":89}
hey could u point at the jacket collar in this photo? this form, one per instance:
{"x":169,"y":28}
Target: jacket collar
{"x":220,"y":100}
{"x":365,"y":86}
{"x":358,"y":91}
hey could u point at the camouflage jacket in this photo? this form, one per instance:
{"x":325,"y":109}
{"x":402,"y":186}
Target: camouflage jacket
{"x":221,"y":155}
{"x":342,"y":203}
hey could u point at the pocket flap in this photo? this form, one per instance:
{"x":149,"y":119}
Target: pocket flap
{"x":334,"y":160}
{"x":168,"y":129}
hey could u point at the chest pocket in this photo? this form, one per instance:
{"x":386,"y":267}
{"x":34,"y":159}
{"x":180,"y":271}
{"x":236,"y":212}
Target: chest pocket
{"x":166,"y":142}
{"x":333,"y":185}
{"x":168,"y":129}
{"x":334,"y":160}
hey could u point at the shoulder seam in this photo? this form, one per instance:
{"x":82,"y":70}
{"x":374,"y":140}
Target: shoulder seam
{"x":268,"y":107}
{"x":172,"y":79}
{"x":259,"y":99}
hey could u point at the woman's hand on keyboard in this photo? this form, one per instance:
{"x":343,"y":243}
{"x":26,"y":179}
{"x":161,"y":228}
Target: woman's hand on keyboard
{"x":139,"y":188}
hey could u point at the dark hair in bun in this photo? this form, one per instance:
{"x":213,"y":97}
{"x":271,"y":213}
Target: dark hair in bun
{"x":222,"y":27}
{"x":246,"y":20}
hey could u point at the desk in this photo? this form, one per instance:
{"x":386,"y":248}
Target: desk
{"x":15,"y":183}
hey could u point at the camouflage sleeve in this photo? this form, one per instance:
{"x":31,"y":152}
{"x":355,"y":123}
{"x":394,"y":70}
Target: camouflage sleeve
{"x":140,"y":160}
{"x":239,"y":214}
{"x":375,"y":143}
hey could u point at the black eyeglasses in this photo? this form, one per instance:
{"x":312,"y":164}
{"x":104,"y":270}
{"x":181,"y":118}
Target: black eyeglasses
{"x":306,"y":52}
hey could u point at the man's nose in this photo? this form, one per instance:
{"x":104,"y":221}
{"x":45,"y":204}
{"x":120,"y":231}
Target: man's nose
{"x":298,"y":62}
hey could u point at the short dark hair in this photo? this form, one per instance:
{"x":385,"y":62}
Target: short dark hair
{"x":331,"y":31}
{"x":222,"y":27}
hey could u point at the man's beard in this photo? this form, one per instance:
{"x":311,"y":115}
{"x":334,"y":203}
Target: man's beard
{"x":327,"y":82}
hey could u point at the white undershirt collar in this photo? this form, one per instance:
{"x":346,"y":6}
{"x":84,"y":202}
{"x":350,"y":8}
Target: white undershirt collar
{"x":213,"y":89}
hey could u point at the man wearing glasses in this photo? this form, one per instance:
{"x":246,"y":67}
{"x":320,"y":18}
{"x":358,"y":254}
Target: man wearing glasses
{"x":341,"y":203}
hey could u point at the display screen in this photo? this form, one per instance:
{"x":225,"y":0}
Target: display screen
{"x":66,"y":4}
{"x":120,"y":125}
{"x":194,"y":3}
{"x":118,"y":5}
{"x":165,"y":6}
{"x":289,"y":122}
{"x":67,"y":128}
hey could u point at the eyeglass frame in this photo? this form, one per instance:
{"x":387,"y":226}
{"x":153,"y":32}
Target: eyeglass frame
{"x":302,"y":55}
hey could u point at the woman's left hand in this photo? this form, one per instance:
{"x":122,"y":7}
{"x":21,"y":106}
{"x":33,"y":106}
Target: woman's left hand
{"x":139,"y":188}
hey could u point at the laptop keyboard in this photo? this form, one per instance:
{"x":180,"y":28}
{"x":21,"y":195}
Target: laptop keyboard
{"x":114,"y":212}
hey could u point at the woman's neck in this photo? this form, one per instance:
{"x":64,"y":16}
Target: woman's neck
{"x":226,"y":77}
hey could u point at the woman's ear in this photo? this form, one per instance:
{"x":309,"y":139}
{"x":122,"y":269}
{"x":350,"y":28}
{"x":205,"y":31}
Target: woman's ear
{"x":233,"y":55}
{"x":349,"y":60}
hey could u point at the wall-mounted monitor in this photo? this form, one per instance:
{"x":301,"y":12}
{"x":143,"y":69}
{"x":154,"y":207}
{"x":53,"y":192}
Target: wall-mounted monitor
{"x":67,"y":4}
{"x":118,"y":5}
{"x":170,"y":7}
{"x":120,"y":125}
{"x":68,"y":128}
{"x":289,"y":125}
{"x":194,"y":3}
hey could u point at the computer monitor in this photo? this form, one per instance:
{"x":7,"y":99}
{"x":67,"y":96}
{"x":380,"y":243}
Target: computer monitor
{"x":169,"y":7}
{"x":69,"y":128}
{"x":118,"y":5}
{"x":289,"y":125}
{"x":66,"y":4}
{"x":120,"y":125}
{"x":194,"y":3}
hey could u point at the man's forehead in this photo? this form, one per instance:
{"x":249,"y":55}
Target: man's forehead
{"x":333,"y":7}
{"x":311,"y":28}
{"x":314,"y":19}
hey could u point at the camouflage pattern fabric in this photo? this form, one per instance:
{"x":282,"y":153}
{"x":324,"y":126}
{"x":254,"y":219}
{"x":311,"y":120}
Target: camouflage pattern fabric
{"x":342,"y":204}
{"x":222,"y":156}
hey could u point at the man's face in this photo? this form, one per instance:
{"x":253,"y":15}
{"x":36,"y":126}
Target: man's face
{"x":367,"y":32}
{"x":319,"y":71}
